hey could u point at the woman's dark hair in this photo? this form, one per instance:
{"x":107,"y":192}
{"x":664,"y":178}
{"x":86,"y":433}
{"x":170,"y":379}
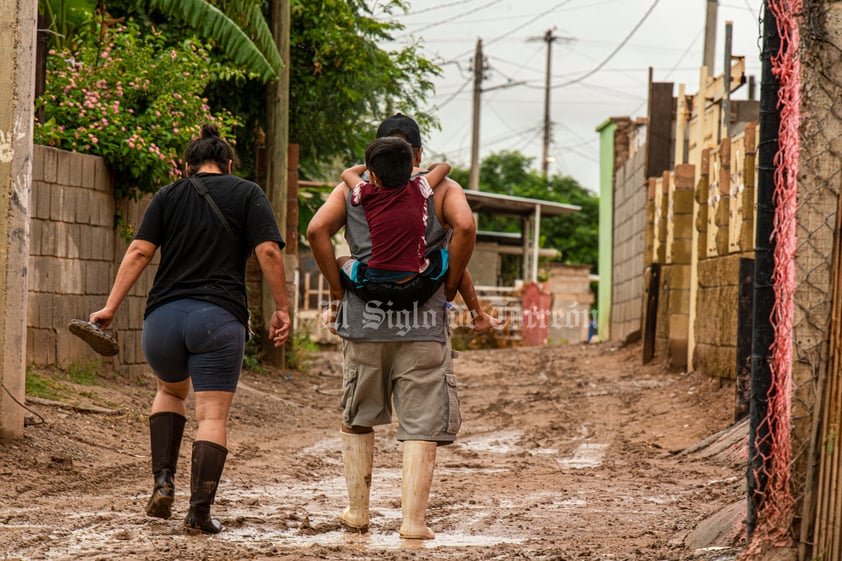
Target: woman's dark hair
{"x":390,"y":158}
{"x":208,"y":148}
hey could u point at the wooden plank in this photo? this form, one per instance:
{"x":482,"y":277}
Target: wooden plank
{"x":651,"y":289}
{"x":659,"y":129}
{"x":681,"y":118}
{"x":715,"y":87}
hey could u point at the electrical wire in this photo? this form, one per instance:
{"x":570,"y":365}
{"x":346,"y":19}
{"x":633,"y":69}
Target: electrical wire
{"x":454,"y":94}
{"x":582,"y":144}
{"x":457,"y":16}
{"x":581,"y":154}
{"x":684,"y":54}
{"x":675,"y":66}
{"x":23,"y":406}
{"x":614,"y":52}
{"x":522,"y":65}
{"x":493,"y":109}
{"x":439,"y":7}
{"x":518,"y":28}
{"x":573,"y":132}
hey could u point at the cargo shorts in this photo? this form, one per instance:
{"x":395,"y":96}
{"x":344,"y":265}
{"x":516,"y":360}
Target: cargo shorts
{"x":416,"y":376}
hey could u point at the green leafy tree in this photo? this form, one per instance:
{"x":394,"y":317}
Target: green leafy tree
{"x":342,"y":79}
{"x":343,"y":82}
{"x":238,"y":27}
{"x":575,"y":235}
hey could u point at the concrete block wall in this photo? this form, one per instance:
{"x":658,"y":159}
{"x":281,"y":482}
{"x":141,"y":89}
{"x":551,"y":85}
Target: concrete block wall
{"x":716,"y":318}
{"x":571,"y":303}
{"x":699,"y":283}
{"x":75,"y":250}
{"x":679,"y":257}
{"x":725,"y":195}
{"x":630,"y":195}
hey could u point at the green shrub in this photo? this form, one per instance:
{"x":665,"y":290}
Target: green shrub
{"x":131,"y":99}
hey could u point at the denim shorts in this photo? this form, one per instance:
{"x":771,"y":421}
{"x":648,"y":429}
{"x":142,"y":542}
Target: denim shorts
{"x":197,"y":340}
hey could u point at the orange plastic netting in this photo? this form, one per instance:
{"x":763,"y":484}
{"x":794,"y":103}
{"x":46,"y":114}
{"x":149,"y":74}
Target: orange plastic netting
{"x":775,"y":511}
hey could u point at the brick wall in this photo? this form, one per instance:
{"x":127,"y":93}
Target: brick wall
{"x":75,"y":251}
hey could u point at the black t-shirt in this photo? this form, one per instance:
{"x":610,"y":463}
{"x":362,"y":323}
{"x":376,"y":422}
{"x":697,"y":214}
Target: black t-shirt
{"x":198,"y":257}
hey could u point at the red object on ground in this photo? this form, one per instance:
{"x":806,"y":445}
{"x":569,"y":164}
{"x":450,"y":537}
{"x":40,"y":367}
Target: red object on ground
{"x":536,"y":315}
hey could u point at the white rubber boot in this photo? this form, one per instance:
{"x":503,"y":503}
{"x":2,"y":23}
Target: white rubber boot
{"x":357,"y":455}
{"x":419,"y":460}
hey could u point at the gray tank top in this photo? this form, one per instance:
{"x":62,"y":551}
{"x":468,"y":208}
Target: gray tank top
{"x":361,"y":321}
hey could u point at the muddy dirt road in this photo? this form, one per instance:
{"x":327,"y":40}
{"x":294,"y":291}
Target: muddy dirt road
{"x":566,"y":453}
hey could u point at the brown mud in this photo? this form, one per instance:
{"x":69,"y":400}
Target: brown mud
{"x":566,"y":453}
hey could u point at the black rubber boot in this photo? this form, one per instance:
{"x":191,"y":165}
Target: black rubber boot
{"x":165,"y":432}
{"x":208,"y":461}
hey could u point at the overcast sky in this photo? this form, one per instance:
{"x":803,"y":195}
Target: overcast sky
{"x":605,"y":49}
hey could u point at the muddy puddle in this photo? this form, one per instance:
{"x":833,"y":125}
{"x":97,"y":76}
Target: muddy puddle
{"x":295,"y":514}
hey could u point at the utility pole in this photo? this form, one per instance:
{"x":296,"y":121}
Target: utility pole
{"x":479,"y":74}
{"x":17,"y":74}
{"x":710,"y":36}
{"x":277,"y":144}
{"x":725,"y":128}
{"x":480,"y":67}
{"x":549,"y":38}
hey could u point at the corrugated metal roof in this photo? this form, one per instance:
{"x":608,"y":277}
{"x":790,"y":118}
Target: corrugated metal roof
{"x":494,"y":203}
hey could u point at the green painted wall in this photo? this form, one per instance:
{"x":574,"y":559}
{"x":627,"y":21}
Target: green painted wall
{"x":606,"y":226}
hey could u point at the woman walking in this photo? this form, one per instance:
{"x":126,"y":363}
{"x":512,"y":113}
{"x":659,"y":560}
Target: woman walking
{"x":196,"y":322}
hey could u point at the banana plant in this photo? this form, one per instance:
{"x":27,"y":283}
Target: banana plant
{"x":246,"y":38}
{"x":65,"y":17}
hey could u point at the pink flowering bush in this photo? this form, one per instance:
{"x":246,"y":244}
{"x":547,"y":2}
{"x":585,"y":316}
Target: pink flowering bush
{"x":132,"y":100}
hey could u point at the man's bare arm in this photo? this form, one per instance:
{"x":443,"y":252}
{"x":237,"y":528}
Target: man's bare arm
{"x":325,"y":223}
{"x":458,"y":215}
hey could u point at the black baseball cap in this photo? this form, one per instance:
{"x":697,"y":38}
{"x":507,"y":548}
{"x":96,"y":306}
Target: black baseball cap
{"x":401,"y":125}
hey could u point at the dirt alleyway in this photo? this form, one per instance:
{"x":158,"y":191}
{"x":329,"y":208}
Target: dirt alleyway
{"x":565,"y":453}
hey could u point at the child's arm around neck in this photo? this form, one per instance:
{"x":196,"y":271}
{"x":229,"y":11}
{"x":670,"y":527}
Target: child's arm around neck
{"x":438,"y":171}
{"x":353,"y":175}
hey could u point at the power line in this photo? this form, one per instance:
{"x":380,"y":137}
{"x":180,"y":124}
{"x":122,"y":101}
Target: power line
{"x":539,"y":16}
{"x":518,"y":28}
{"x":439,"y":7}
{"x":536,"y":131}
{"x":527,"y":141}
{"x":614,"y":52}
{"x":684,"y":54}
{"x":457,"y":92}
{"x":522,"y":65}
{"x":579,"y":145}
{"x":572,"y":132}
{"x":675,"y":66}
{"x":457,"y":16}
{"x":501,"y":118}
{"x":608,"y":89}
{"x":582,"y":154}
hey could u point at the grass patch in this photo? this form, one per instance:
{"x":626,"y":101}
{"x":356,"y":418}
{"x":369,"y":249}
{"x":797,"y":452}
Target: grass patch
{"x":67,"y":386}
{"x":43,"y":385}
{"x":84,"y":374}
{"x":299,"y":351}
